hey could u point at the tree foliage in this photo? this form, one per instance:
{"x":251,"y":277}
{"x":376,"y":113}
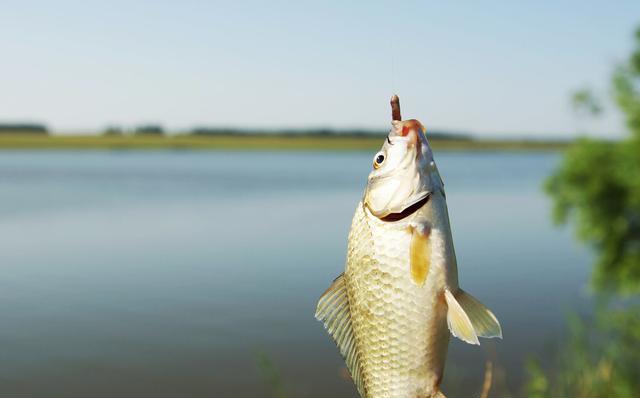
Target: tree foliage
{"x":584,"y":101}
{"x":597,"y":186}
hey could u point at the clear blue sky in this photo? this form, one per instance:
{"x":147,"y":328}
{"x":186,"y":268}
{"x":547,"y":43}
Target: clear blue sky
{"x":496,"y":68}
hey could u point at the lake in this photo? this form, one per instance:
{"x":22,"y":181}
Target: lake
{"x":169,"y":274}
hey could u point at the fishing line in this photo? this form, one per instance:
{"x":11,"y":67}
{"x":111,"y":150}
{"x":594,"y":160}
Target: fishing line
{"x":390,"y":36}
{"x":393,"y":69}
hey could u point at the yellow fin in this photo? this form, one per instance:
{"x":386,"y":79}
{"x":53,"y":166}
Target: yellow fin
{"x":420,"y":254}
{"x":333,"y":310}
{"x":439,"y":394}
{"x":458,"y":321}
{"x":484,"y":322}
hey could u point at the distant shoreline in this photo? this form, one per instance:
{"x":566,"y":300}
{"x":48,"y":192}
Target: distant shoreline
{"x":256,"y":143}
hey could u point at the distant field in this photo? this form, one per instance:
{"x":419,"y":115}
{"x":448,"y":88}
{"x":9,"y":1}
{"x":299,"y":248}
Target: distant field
{"x":252,"y":142}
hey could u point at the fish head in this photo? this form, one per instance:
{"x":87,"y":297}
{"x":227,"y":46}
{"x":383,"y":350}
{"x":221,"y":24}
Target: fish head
{"x":404,"y":173}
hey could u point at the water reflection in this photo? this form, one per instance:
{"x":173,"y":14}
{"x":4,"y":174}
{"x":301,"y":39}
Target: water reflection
{"x":163,"y":276}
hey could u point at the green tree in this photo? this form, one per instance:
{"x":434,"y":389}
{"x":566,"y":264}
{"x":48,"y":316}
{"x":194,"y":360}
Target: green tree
{"x":113,"y":131}
{"x":585,"y":102}
{"x":597,"y":186}
{"x":626,"y":88}
{"x":149,"y":129}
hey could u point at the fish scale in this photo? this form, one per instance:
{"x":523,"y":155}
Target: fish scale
{"x":390,"y":325}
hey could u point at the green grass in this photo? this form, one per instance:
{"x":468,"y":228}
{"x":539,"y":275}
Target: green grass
{"x":251,"y":142}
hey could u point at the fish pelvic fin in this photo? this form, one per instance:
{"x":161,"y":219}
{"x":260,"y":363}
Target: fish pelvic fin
{"x":469,"y":319}
{"x":458,"y":321}
{"x":439,"y":394}
{"x":483,"y":320}
{"x":334,"y":312}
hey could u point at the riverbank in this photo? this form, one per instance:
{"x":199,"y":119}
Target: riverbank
{"x":253,"y":142}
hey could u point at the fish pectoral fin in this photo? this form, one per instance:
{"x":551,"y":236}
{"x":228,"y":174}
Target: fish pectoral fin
{"x":420,"y":254}
{"x":334,"y":312}
{"x":484,"y":322}
{"x":458,"y":321}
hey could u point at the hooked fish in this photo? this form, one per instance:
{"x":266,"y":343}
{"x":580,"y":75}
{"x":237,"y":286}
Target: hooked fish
{"x":391,"y":311}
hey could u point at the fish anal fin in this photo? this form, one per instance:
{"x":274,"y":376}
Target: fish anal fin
{"x":334,"y":312}
{"x":420,"y":254}
{"x":483,"y":320}
{"x":459,"y":323}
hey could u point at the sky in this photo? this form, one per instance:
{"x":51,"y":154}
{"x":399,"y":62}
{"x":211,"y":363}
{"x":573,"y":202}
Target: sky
{"x":495,"y":69}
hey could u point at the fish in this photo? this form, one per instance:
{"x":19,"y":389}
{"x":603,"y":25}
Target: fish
{"x":392,"y":310}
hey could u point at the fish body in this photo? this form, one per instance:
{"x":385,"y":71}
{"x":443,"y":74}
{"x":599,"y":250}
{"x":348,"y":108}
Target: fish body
{"x":392,"y":309}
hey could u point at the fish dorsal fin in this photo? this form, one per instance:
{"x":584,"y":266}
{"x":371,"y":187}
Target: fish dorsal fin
{"x":333,"y":310}
{"x":484,"y":322}
{"x":458,"y":321}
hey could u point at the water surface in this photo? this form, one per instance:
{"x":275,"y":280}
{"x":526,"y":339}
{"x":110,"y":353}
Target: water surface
{"x":163,"y":274}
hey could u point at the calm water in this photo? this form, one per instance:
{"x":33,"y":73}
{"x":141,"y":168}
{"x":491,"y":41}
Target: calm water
{"x":163,"y":274}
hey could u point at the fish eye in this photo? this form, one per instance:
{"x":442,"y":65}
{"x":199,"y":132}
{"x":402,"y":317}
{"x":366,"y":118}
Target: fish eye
{"x":379,"y":159}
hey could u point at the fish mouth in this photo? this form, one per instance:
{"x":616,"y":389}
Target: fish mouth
{"x":407,"y":211}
